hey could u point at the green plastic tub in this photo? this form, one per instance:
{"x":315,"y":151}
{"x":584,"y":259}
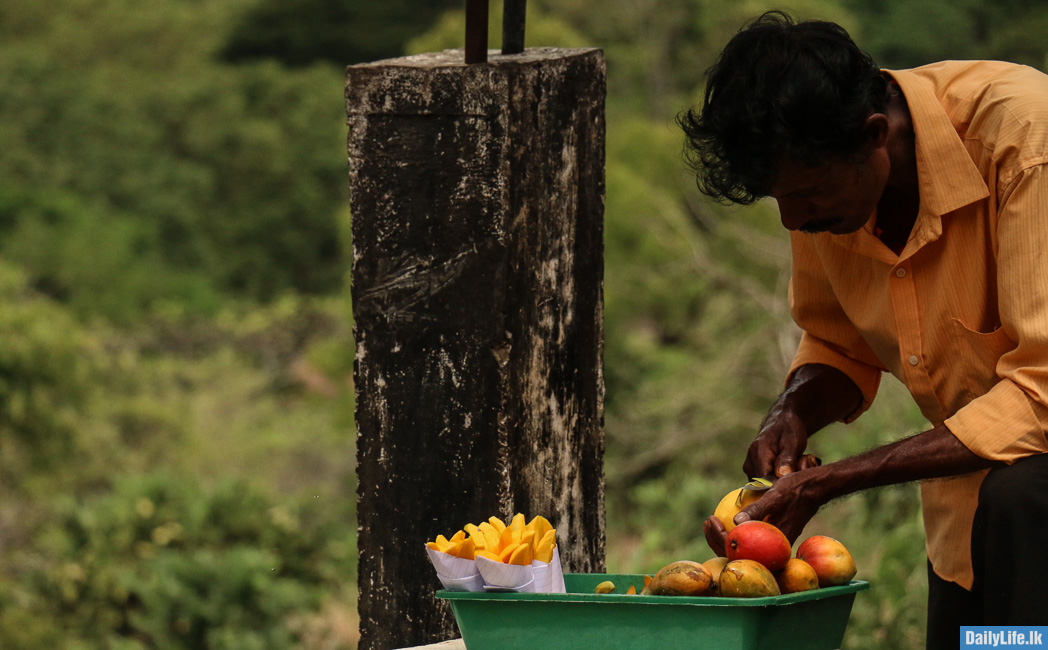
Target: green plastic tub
{"x":581,"y":619}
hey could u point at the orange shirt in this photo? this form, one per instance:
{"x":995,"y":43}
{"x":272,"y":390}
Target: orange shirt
{"x":961,"y":316}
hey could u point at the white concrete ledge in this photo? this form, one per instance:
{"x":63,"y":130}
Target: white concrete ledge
{"x":453,"y":644}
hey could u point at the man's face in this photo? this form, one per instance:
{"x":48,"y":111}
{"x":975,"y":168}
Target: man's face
{"x":838,"y":196}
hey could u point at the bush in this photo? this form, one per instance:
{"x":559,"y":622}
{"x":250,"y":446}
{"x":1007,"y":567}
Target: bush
{"x":45,"y":364}
{"x":161,"y":562}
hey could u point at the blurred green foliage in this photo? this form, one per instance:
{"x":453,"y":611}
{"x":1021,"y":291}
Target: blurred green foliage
{"x":190,"y":164}
{"x":163,"y":563}
{"x":176,"y":411}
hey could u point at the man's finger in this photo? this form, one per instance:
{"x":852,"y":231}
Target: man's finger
{"x":752,"y":512}
{"x":784,"y":464}
{"x":715,"y":535}
{"x":808,"y":461}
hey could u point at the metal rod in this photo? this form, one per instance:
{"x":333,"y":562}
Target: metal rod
{"x":476,"y":31}
{"x":513,"y":19}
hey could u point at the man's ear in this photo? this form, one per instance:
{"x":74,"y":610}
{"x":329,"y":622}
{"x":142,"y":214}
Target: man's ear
{"x":876,"y":128}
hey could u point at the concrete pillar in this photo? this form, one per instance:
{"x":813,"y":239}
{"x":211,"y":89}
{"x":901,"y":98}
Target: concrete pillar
{"x":477,"y":195}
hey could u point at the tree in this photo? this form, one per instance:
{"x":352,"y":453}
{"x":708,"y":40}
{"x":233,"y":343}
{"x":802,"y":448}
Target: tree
{"x":232,"y":176}
{"x":335,"y":31}
{"x":898,"y":33}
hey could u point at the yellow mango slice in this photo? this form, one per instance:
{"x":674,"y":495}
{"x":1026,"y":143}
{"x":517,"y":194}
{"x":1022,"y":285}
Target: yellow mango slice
{"x":528,"y":537}
{"x":497,"y":523}
{"x":540,"y":525}
{"x":507,"y":552}
{"x":521,"y":555}
{"x":488,"y":554}
{"x":544,"y":547}
{"x":479,"y":541}
{"x":464,"y":548}
{"x":470,"y":529}
{"x":458,"y":537}
{"x":442,"y":544}
{"x":491,"y":536}
{"x":517,"y":523}
{"x":508,"y":537}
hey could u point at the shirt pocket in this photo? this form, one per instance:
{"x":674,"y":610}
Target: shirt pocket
{"x":975,"y":366}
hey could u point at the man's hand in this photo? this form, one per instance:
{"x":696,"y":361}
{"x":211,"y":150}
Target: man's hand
{"x":789,"y":505}
{"x":778,"y":446}
{"x":795,"y":498}
{"x":716,"y":535}
{"x":816,"y":396}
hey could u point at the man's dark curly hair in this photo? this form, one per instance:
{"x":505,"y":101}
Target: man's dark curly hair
{"x":780,"y":90}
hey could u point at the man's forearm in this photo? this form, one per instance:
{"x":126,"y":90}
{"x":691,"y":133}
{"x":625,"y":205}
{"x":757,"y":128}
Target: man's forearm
{"x":819,"y":395}
{"x":936,"y":453}
{"x":796,"y":497}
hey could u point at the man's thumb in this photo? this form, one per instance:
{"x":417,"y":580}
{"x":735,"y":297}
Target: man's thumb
{"x":784,"y":465}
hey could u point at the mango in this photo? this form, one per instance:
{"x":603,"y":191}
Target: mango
{"x":522,"y":555}
{"x":733,"y":503}
{"x":491,"y":536}
{"x":528,"y":537}
{"x":758,"y":541}
{"x":797,"y":576}
{"x":507,"y":552}
{"x":833,"y":563}
{"x":605,"y":587}
{"x":544,"y":547}
{"x":747,"y":579}
{"x":517,"y":523}
{"x":715,"y":565}
{"x":681,"y":578}
{"x":540,"y":525}
{"x":511,"y":535}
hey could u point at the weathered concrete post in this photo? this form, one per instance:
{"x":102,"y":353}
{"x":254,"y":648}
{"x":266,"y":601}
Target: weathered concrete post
{"x":477,"y":195}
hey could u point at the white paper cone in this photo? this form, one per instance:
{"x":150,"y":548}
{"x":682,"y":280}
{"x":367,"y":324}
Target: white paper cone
{"x":543,"y":577}
{"x":510,"y":576}
{"x":523,"y":589}
{"x":454,"y":568}
{"x":557,"y":573}
{"x":471,"y":583}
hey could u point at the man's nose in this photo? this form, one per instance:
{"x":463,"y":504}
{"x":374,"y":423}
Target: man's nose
{"x":793,"y":215}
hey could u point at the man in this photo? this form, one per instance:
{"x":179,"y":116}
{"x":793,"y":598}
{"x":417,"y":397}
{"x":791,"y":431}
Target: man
{"x":917,"y":202}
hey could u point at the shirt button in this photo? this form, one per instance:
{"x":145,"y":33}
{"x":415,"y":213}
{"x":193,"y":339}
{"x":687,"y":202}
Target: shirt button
{"x":900,"y":273}
{"x":913,"y":360}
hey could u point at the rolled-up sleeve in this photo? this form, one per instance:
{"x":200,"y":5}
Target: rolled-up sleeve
{"x":828,"y":336}
{"x":1009,"y":421}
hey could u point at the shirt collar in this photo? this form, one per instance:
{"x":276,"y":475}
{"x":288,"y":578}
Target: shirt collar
{"x":947,"y":175}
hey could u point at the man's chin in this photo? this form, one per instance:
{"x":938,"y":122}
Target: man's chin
{"x":845,"y":228}
{"x":827,"y":225}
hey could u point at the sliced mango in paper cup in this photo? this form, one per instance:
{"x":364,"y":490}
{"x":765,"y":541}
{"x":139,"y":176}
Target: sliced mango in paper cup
{"x":507,"y":576}
{"x":451,"y":567}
